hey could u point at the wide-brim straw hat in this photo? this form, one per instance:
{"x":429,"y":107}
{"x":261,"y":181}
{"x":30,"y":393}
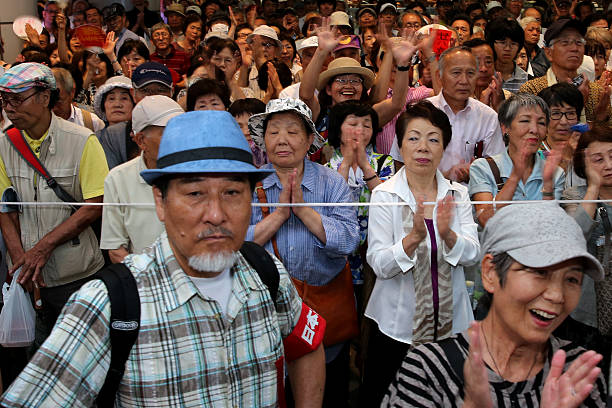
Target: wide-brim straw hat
{"x":343,"y":66}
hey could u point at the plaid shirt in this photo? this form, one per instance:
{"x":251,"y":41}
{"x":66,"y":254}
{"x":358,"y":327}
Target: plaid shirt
{"x":188,"y":354}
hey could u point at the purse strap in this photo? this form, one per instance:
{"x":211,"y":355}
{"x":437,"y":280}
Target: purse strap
{"x":265,"y":211}
{"x":496,"y":173}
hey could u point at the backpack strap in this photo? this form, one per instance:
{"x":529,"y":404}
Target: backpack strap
{"x":263,"y":263}
{"x":496,"y":173}
{"x":124,"y":325}
{"x":88,"y":120}
{"x":23,"y":148}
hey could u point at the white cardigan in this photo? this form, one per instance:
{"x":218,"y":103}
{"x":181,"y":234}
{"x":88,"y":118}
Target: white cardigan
{"x":392,"y":302}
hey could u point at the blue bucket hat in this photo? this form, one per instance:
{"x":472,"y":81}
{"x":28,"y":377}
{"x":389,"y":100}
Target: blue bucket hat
{"x":204,"y":142}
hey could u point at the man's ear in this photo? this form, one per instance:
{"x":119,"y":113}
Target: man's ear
{"x":548,"y":53}
{"x":139,"y":139}
{"x":160,"y":208}
{"x":490,"y":278}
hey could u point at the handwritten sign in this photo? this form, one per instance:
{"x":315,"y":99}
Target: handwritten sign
{"x":91,"y":37}
{"x":441,"y":42}
{"x":20,"y":23}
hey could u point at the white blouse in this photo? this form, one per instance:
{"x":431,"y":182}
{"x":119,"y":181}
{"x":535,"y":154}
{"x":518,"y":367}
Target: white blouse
{"x":392,"y":302}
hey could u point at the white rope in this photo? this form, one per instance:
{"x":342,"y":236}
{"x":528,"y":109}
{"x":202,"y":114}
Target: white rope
{"x":399,"y":204}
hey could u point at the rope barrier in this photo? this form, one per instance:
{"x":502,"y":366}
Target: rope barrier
{"x":52,"y":203}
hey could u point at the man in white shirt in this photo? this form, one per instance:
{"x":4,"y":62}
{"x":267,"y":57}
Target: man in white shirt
{"x":130,"y":229}
{"x":473,"y":123}
{"x":64,"y":107}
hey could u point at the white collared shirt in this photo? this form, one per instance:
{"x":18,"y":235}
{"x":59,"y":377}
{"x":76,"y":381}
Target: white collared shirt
{"x":76,"y":117}
{"x":133,"y":227}
{"x":392,"y":304}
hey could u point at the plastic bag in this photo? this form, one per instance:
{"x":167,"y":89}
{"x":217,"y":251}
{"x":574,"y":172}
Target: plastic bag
{"x":17,"y":318}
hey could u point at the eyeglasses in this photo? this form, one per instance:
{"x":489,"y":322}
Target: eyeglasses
{"x":149,"y":91}
{"x":506,"y":43}
{"x":14,"y":100}
{"x":162,"y":34}
{"x":569,"y":115}
{"x":242,"y":35}
{"x":416,"y":26}
{"x":268,"y":45}
{"x":566,"y":42}
{"x":352,"y":81}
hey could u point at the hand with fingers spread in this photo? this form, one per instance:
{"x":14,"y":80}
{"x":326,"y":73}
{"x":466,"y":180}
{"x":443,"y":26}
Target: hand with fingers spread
{"x":382,"y":37}
{"x":404,"y":49}
{"x":33,"y":37}
{"x":109,"y":45}
{"x":569,"y":389}
{"x":477,"y":393}
{"x":328,"y":38}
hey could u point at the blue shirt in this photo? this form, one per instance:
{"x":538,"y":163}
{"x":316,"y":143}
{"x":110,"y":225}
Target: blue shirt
{"x":482,"y":180}
{"x":303,"y":254}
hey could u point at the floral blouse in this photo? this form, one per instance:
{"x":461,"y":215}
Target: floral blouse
{"x":384,"y":167}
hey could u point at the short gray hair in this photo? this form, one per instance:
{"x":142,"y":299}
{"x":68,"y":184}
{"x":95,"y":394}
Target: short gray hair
{"x":510,"y":107}
{"x":525,"y":21}
{"x":64,"y":79}
{"x":446,"y":53}
{"x":414,"y":12}
{"x":161,"y":26}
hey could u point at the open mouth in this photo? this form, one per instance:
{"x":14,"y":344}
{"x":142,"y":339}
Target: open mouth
{"x":542,"y":315}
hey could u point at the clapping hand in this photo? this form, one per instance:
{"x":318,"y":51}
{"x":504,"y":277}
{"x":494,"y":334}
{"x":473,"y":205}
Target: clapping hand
{"x":570,"y":389}
{"x":444,"y":216}
{"x":418,"y":221}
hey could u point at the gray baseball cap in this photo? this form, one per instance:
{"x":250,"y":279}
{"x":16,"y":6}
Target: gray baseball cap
{"x":537,"y":236}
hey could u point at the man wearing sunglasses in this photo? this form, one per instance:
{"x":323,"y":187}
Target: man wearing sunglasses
{"x":266,"y":46}
{"x":54,"y":246}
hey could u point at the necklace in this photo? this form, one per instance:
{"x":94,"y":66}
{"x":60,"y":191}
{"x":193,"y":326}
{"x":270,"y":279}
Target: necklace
{"x":498,"y":371}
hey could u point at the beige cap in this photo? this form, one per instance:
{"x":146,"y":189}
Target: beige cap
{"x":339,"y":18}
{"x":154,"y":110}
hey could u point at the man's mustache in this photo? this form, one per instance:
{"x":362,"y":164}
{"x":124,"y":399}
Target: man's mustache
{"x":215,"y":231}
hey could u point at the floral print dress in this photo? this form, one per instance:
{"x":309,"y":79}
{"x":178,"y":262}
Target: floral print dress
{"x":384,"y":167}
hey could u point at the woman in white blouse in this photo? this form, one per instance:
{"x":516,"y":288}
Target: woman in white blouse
{"x":417,"y":251}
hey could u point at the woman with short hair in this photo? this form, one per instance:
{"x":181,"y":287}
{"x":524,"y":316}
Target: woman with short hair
{"x":534,"y":262}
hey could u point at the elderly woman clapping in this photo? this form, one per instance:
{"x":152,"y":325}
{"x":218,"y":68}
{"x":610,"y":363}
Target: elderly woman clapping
{"x":534,"y":260}
{"x":312,"y":242}
{"x":417,"y":252}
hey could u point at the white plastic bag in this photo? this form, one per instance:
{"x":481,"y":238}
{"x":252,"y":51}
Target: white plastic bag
{"x":17,"y":318}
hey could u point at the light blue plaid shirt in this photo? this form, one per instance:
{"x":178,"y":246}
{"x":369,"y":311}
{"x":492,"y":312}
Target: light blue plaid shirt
{"x":188,"y":353}
{"x":303,"y":254}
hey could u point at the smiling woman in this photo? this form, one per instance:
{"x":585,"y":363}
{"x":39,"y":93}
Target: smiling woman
{"x":533,"y":279}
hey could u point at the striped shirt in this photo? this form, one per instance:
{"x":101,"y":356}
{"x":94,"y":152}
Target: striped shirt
{"x":176,"y":60}
{"x":188,"y":352}
{"x":303,"y":254}
{"x":426,"y":378}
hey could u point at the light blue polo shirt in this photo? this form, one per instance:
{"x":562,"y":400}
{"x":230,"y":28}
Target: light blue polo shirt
{"x":482,"y":180}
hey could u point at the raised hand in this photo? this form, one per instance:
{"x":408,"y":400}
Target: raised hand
{"x":60,"y":20}
{"x":477,"y":393}
{"x":570,"y":389}
{"x":109,"y":44}
{"x":404,"y":49}
{"x":32,"y":34}
{"x":418,"y":222}
{"x":328,"y":37}
{"x":382,"y":37}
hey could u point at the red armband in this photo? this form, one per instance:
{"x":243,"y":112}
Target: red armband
{"x":306,"y":335}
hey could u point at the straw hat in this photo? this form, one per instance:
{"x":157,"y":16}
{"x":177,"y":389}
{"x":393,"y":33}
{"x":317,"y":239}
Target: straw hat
{"x":343,"y":66}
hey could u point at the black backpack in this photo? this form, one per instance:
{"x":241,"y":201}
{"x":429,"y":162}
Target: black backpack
{"x":125,"y":311}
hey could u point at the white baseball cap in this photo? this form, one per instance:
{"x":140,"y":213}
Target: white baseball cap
{"x":154,"y":110}
{"x":265,"y":31}
{"x":306,"y":43}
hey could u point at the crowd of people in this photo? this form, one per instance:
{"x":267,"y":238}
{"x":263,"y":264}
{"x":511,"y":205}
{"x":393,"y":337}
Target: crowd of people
{"x":373,"y":150}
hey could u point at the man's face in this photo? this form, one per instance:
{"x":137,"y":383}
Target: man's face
{"x":564,"y":8}
{"x":463,"y":30}
{"x":326,"y":9}
{"x":567,"y":50}
{"x":93,"y":17}
{"x":115,"y":24}
{"x":211,"y":9}
{"x":486,"y":64}
{"x":264,"y":48}
{"x":269,"y":7}
{"x":49,"y":14}
{"x":161,"y":39}
{"x":154,"y":88}
{"x":459,"y":76}
{"x":205,"y":214}
{"x":443,"y":8}
{"x":388,"y":17}
{"x":26,"y":108}
{"x":175,"y":21}
{"x":476,"y":13}
{"x":78,"y":19}
{"x":514,"y":7}
{"x":411,"y":22}
{"x":63,"y":106}
{"x":367,"y":20}
{"x":584,"y":11}
{"x":138,"y":3}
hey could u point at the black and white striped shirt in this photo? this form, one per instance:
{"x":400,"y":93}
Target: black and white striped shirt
{"x":426,"y":378}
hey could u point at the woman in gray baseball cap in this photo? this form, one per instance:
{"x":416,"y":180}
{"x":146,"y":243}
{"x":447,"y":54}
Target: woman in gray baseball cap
{"x":534,"y":262}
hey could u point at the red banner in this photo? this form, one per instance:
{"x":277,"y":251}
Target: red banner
{"x":442,"y":42}
{"x":90,"y":36}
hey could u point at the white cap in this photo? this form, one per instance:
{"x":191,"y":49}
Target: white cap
{"x":386,"y":6}
{"x":220,"y":28}
{"x":195,"y":9}
{"x":492,"y":5}
{"x":265,"y":31}
{"x":154,"y":110}
{"x":339,"y":18}
{"x":307,"y":43}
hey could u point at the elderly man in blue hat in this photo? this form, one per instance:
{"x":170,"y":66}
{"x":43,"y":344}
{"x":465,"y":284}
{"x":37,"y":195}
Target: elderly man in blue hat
{"x":54,"y":246}
{"x":211,"y":333}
